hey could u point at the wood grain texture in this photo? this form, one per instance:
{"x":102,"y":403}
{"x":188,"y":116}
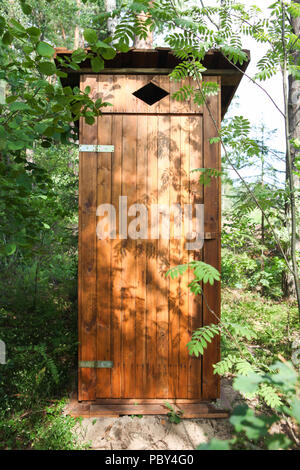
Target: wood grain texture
{"x":175,"y":257}
{"x":162,"y":306}
{"x":107,"y":409}
{"x":104,"y":173}
{"x":195,"y":302}
{"x":141,"y":247}
{"x":184,"y":336}
{"x":118,"y":90}
{"x":87,"y":294}
{"x":129,"y":312}
{"x":129,"y":281}
{"x":212,"y":248}
{"x":151,"y":262}
{"x":116,"y":261}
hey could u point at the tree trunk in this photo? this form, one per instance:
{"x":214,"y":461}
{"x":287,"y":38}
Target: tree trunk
{"x":294,"y":132}
{"x":77,"y":32}
{"x":262,"y":214}
{"x":110,"y":5}
{"x":144,"y":43}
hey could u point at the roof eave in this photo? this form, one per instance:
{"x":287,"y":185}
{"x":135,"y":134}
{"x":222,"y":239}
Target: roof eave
{"x":162,"y":60}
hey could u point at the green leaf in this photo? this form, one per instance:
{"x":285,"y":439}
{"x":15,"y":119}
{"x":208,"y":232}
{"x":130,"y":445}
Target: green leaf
{"x":47,"y":68}
{"x":278,"y":442}
{"x":215,"y":444}
{"x":15,"y":24}
{"x":19,"y":106}
{"x":123,"y":47}
{"x":269,"y":394}
{"x":26,"y":8}
{"x":102,"y":44}
{"x":28,"y":49}
{"x":89,"y":120}
{"x":45,"y":50}
{"x":286,"y":375}
{"x":2,"y":24}
{"x":16,"y":145}
{"x":90,"y":36}
{"x":7,"y":38}
{"x":11,"y":99}
{"x":247,"y":384}
{"x":78,"y":55}
{"x":244,"y":420}
{"x":108,"y":53}
{"x":177,"y":270}
{"x":34,"y":32}
{"x":244,"y":368}
{"x":61,"y":74}
{"x":97,"y":64}
{"x":10,"y":249}
{"x":295,"y":410}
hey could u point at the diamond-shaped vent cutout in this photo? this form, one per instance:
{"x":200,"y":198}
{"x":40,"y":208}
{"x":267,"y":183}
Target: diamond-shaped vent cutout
{"x":150,"y":93}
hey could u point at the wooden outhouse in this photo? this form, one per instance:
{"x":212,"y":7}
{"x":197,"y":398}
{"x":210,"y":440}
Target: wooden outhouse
{"x":134,"y":322}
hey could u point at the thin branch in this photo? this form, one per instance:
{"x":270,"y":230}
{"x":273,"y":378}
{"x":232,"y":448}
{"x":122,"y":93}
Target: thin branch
{"x":233,"y":64}
{"x":293,"y":210}
{"x":208,"y":16}
{"x":255,"y":83}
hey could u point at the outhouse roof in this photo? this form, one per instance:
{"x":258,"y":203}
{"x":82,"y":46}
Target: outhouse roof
{"x":161,"y":60}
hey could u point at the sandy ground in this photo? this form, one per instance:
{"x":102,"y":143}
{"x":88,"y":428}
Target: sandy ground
{"x":151,"y":433}
{"x":156,"y":432}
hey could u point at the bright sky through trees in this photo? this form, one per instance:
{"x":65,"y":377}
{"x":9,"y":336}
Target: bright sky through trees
{"x":251,"y":102}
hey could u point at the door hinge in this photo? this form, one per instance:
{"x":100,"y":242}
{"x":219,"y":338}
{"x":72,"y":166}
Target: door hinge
{"x":96,"y":364}
{"x":96,"y":148}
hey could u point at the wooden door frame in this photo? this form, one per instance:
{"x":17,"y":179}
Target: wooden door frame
{"x":87,"y":263}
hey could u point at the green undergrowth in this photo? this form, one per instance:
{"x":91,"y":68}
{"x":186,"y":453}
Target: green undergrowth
{"x":275,"y":324}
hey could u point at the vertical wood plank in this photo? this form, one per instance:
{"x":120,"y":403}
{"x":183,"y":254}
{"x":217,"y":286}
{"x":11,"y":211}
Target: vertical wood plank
{"x":106,"y":91}
{"x":164,"y":104}
{"x":175,"y":255}
{"x":151,"y":263}
{"x":104,"y":262}
{"x":129,"y":258}
{"x":141,"y":246}
{"x":162,"y":312}
{"x":195,"y":302}
{"x":123,"y":100}
{"x":212,"y":248}
{"x":116,"y":260}
{"x":184,"y":279}
{"x":87,"y":298}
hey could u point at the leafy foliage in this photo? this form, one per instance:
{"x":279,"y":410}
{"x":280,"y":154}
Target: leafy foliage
{"x":203,"y":272}
{"x":175,"y":416}
{"x":200,"y":338}
{"x":38,"y":173}
{"x":252,"y":427}
{"x":207,"y":174}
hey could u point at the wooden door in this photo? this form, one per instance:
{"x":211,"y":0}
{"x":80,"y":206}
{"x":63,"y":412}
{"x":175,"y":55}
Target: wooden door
{"x":130,"y":315}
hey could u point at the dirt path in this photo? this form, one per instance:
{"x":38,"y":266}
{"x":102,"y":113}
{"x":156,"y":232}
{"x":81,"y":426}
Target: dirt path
{"x":151,"y":433}
{"x":156,"y":432}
